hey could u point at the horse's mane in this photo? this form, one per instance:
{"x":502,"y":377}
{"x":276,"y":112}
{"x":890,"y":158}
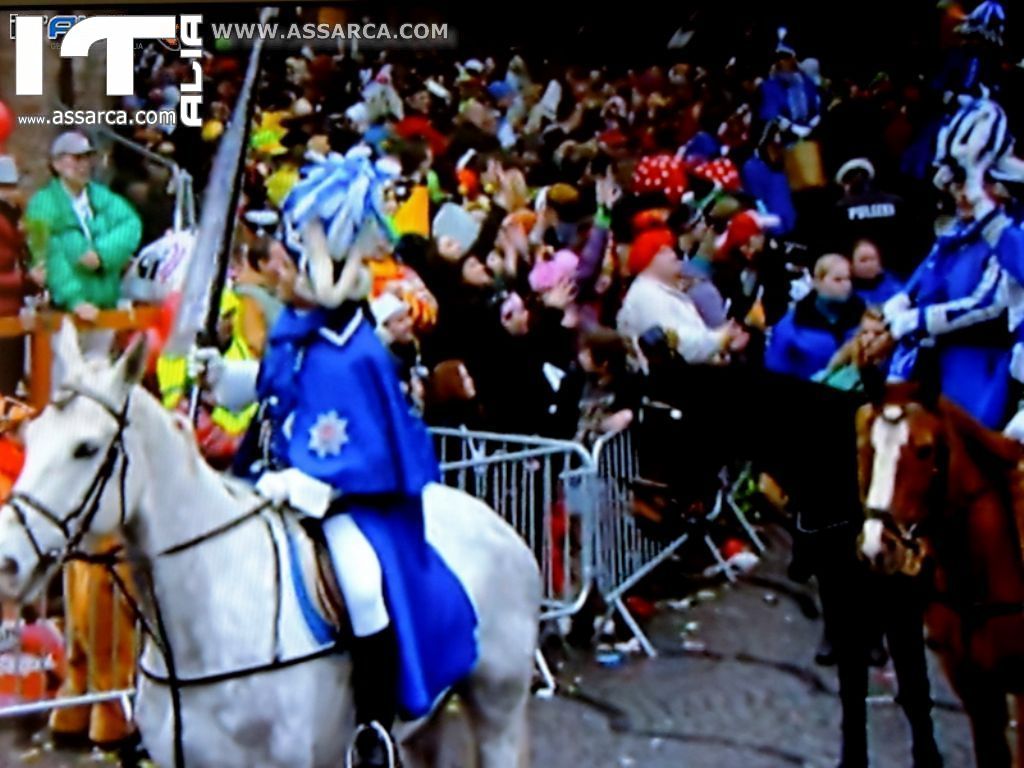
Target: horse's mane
{"x":991,"y":450}
{"x":999,"y":459}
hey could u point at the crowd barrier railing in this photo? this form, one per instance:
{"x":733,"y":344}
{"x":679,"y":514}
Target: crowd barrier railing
{"x":544,"y":489}
{"x":571,"y":505}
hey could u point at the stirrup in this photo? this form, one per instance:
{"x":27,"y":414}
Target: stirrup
{"x":383,"y":737}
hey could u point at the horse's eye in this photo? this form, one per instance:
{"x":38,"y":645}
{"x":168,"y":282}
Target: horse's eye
{"x":925,"y":451}
{"x":85,"y":450}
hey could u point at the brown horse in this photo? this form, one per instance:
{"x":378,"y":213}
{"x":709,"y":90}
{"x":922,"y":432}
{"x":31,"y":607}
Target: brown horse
{"x":940,"y":493}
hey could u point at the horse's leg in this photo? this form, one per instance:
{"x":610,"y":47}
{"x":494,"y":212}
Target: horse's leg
{"x":498,"y":716}
{"x":905,"y":632}
{"x":423,"y":748}
{"x":989,"y":714}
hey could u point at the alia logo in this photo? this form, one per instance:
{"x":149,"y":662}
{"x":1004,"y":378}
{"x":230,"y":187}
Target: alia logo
{"x":120,"y":32}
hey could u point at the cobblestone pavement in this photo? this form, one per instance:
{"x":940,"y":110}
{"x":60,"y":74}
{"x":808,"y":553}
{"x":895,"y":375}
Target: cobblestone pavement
{"x":744,"y":693}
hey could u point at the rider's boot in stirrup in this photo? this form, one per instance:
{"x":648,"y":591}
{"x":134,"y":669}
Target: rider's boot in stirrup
{"x":375,"y":690}
{"x":372,"y":747}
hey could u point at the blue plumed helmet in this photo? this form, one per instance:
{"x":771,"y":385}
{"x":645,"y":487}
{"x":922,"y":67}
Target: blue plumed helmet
{"x":988,"y":21}
{"x":347,"y":193}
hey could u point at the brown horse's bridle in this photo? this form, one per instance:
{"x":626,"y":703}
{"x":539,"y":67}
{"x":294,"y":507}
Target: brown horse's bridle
{"x":915,"y":547}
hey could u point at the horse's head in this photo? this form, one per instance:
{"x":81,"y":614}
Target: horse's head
{"x":75,"y":486}
{"x":902,"y":456}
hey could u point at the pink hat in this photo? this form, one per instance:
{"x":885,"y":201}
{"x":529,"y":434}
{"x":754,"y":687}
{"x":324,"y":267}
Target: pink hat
{"x":545,"y":275}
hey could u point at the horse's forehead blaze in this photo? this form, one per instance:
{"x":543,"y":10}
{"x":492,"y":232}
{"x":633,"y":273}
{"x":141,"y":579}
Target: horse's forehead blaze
{"x":888,"y":436}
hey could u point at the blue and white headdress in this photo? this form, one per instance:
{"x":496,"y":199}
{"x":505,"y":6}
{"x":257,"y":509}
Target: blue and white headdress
{"x":988,"y":21}
{"x":976,"y":142}
{"x":347,"y":195}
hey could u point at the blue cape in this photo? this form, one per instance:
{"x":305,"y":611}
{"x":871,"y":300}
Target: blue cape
{"x":340,"y":416}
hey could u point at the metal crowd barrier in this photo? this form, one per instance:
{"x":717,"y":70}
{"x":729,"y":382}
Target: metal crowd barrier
{"x":573,"y":507}
{"x":75,"y":647}
{"x":545,"y":490}
{"x":625,"y":555}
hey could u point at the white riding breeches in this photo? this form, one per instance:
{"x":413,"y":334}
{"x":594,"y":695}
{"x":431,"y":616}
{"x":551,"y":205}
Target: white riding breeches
{"x":359,"y":575}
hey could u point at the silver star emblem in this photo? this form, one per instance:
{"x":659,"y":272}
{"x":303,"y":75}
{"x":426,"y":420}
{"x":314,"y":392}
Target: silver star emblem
{"x":328,"y":435}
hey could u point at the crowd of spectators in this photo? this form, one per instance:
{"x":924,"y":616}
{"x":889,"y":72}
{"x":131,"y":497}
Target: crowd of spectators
{"x":551,"y":222}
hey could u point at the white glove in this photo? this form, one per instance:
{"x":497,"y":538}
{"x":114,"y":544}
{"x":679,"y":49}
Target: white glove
{"x":1015,"y":429}
{"x":898,"y":303}
{"x":801,"y":287}
{"x":296,"y":489}
{"x":207,"y":363}
{"x":273,"y":486}
{"x":232,"y":382}
{"x":905,"y":322}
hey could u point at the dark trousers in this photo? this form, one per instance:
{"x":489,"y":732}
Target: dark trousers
{"x":803,"y":434}
{"x":856,"y":607}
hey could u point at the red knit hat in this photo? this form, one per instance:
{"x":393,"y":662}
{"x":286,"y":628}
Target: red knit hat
{"x":743,"y":227}
{"x":646,"y":247}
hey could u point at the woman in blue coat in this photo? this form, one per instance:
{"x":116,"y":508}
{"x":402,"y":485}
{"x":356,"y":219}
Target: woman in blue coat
{"x":804,"y":341}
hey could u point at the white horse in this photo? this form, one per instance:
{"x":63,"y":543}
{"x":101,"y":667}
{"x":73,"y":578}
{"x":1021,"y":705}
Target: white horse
{"x":106,"y":457}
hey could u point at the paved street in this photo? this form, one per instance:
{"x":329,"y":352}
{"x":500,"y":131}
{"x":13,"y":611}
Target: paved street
{"x":746,"y":694}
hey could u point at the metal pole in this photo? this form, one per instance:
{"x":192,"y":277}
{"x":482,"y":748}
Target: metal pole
{"x":207,"y":274}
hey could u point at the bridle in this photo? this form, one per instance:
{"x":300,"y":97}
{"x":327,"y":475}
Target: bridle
{"x":922,"y":540}
{"x":23,"y":505}
{"x":85,"y":512}
{"x":912,"y":538}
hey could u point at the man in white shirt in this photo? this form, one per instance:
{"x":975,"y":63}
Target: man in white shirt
{"x":656,"y":300}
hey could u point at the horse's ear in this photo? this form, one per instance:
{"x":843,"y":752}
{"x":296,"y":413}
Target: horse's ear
{"x":66,"y":348}
{"x":873,"y":380}
{"x":132,"y":365}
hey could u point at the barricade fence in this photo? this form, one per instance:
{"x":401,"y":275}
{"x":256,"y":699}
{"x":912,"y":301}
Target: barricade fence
{"x":542,"y":488}
{"x":76,"y":648}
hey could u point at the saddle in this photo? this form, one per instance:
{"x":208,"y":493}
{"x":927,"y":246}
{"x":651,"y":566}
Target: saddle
{"x":314,"y":579}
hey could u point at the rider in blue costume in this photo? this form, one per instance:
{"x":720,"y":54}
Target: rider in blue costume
{"x":955,"y":304}
{"x":958,"y":311}
{"x":345,"y":447}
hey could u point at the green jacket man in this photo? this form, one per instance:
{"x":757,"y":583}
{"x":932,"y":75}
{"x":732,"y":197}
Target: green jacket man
{"x":81,"y":232}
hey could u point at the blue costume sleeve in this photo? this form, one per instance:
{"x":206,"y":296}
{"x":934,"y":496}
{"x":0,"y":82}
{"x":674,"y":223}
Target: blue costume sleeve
{"x":1010,"y":251}
{"x":986,"y":302}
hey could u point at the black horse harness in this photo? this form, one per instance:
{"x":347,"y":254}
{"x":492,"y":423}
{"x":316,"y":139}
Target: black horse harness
{"x":23,"y":505}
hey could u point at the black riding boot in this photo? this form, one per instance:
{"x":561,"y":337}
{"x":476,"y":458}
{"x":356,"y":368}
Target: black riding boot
{"x":375,"y":691}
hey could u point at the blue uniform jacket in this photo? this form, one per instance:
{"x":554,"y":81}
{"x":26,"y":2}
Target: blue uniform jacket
{"x":959,"y":291}
{"x":339,"y":415}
